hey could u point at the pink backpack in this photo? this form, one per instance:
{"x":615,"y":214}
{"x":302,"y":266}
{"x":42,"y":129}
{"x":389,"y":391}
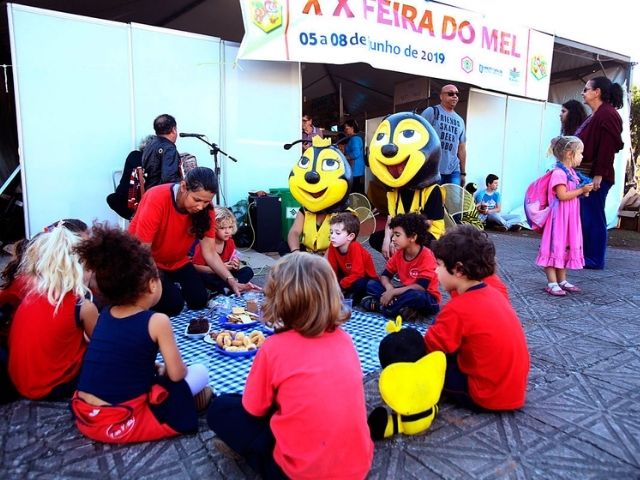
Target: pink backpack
{"x":536,"y":205}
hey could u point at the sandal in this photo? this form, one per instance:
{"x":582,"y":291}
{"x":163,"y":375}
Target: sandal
{"x":370,"y":304}
{"x":568,"y":287}
{"x":556,"y":291}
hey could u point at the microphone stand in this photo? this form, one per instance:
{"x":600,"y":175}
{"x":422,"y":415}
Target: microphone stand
{"x":214,"y":150}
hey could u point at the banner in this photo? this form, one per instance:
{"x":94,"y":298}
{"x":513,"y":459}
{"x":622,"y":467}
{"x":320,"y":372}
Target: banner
{"x":411,"y":36}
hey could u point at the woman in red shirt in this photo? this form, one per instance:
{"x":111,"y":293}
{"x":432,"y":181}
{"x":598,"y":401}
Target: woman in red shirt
{"x":169,"y":218}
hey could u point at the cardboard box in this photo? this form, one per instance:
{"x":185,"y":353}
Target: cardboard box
{"x":629,"y":220}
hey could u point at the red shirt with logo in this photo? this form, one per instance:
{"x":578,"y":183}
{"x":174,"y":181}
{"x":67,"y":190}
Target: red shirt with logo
{"x":423,"y":266}
{"x":485,"y":331}
{"x":353,"y":265}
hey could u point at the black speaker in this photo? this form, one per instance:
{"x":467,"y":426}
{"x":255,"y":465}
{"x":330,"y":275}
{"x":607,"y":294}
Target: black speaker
{"x":266,"y":220}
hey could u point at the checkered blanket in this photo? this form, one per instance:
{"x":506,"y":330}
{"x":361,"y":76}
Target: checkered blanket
{"x":229,"y":374}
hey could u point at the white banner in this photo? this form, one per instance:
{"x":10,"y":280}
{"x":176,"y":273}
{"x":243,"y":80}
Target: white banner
{"x":412,"y":36}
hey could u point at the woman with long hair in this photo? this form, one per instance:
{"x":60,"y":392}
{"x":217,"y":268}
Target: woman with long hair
{"x":601,"y":134}
{"x":572,"y":115}
{"x":169,"y":218}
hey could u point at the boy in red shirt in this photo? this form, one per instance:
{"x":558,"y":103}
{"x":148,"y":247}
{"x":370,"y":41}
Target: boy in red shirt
{"x":487,"y":354}
{"x":349,"y":260}
{"x":418,"y":295}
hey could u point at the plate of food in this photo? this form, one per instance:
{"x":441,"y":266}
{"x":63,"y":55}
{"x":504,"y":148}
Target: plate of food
{"x":236,"y":344}
{"x":239,"y":318}
{"x":197,"y":328}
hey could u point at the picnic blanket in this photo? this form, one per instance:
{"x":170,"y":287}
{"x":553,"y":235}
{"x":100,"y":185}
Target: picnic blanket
{"x":229,"y":374}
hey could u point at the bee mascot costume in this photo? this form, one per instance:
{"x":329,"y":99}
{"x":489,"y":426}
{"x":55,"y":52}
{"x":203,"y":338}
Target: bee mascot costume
{"x":410,"y":383}
{"x":404,"y":154}
{"x":320,"y":182}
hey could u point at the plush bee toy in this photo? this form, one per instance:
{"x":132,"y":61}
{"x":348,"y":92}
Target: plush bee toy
{"x":410,"y":383}
{"x":321,"y":182}
{"x":404,"y":154}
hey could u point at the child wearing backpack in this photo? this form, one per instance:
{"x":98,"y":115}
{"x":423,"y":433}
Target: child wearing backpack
{"x":561,"y":243}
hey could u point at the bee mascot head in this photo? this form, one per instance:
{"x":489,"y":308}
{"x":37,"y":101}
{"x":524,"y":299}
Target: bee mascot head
{"x":405,"y":152}
{"x":410,"y":383}
{"x":321,"y":180}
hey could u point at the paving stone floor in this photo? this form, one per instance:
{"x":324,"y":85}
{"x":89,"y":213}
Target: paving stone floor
{"x":581,"y":420}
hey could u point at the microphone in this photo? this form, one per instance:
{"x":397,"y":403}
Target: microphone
{"x":287,"y":146}
{"x":196,"y":135}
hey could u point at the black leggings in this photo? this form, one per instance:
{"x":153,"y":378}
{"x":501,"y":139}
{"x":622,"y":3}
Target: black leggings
{"x":191,"y":290}
{"x":249,"y":436}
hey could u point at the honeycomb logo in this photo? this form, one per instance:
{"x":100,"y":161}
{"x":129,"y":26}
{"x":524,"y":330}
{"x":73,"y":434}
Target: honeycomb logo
{"x":466,"y":64}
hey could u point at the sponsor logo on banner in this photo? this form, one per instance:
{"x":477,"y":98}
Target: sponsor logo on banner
{"x":539,"y":67}
{"x":428,"y":39}
{"x":466,"y":64}
{"x":487,"y":70}
{"x":514,"y":75}
{"x":267,"y":15}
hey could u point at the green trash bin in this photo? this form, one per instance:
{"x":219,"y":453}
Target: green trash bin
{"x":288,"y":208}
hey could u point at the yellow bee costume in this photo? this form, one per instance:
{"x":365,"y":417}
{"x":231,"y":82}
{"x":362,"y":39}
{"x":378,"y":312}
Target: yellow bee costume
{"x":320,"y":181}
{"x":410,"y":383}
{"x":404,"y":154}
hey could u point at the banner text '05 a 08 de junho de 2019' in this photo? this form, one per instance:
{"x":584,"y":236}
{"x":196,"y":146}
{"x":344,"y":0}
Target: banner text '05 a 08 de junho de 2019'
{"x":411,"y":36}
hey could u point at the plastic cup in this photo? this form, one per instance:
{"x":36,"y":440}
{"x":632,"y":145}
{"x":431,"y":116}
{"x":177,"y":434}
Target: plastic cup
{"x":347,"y":305}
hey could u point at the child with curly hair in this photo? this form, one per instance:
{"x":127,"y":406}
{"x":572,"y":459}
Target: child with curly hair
{"x":418,"y":294}
{"x":47,"y":337}
{"x":226,"y":227}
{"x":303,"y":413}
{"x":478,"y":329}
{"x":122,"y":395}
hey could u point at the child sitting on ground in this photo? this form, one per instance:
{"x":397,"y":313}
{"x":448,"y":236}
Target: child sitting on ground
{"x":303,"y":413}
{"x":487,"y":355}
{"x":121,"y":397}
{"x":47,"y":337}
{"x":350,"y":261}
{"x":226,"y":227}
{"x":418,"y":293}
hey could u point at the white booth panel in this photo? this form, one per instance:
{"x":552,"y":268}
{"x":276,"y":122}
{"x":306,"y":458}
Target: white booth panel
{"x":177,"y":73}
{"x":486,"y":116}
{"x":261,"y":112}
{"x":521,"y":150}
{"x":550,"y":129}
{"x":73,"y":102}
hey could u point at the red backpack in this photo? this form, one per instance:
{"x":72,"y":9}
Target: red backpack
{"x":536,"y":204}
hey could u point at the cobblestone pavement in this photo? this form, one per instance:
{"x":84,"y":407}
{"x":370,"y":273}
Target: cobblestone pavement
{"x":581,"y":420}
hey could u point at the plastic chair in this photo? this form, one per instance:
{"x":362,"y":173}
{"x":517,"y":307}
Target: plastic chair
{"x":459,"y":205}
{"x":115,"y":177}
{"x":361,"y":205}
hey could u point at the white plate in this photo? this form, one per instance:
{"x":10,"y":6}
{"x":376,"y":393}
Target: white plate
{"x":207,"y":339}
{"x":195,"y":335}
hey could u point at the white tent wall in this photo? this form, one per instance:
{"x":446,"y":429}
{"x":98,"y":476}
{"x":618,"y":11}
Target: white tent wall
{"x":73,"y":104}
{"x":262,"y":107}
{"x":176,"y":73}
{"x":87,"y":90}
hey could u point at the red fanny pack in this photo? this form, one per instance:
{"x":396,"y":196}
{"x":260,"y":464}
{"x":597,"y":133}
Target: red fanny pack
{"x":127,"y":422}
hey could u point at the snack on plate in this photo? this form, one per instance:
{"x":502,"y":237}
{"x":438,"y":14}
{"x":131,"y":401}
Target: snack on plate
{"x":198,"y":325}
{"x":238,"y":341}
{"x":240,"y":315}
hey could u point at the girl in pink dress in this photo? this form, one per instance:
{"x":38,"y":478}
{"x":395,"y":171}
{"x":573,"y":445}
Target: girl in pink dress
{"x":561,"y":244}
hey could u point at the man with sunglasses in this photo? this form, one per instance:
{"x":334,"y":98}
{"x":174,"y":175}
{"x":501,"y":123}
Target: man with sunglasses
{"x":453,"y":138}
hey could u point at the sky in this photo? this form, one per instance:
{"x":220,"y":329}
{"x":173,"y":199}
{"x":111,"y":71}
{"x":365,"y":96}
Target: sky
{"x":600,"y":24}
